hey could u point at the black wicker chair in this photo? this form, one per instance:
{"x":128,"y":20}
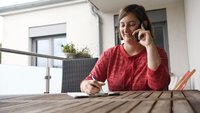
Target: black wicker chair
{"x":74,"y":71}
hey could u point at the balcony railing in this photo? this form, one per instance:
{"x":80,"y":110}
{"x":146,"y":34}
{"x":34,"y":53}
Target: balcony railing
{"x":47,"y":77}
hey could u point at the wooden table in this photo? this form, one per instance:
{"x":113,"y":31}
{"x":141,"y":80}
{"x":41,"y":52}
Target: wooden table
{"x":127,"y":102}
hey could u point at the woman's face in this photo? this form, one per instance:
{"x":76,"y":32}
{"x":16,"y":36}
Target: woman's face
{"x":128,"y":25}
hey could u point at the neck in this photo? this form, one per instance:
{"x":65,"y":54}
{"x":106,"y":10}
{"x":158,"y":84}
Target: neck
{"x":133,"y":49}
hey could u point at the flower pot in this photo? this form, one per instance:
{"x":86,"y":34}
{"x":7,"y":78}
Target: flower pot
{"x":70,"y":55}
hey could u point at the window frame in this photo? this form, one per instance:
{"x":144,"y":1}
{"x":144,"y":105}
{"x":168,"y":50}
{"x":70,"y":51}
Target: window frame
{"x":50,"y":39}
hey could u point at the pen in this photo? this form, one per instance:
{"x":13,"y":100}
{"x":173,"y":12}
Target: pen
{"x":93,"y":78}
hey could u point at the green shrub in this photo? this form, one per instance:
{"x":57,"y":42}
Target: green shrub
{"x":70,"y":48}
{"x":83,"y":53}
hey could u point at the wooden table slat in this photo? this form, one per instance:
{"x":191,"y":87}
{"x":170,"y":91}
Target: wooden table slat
{"x":145,"y":95}
{"x":194,"y":99}
{"x":155,"y":95}
{"x":162,"y":106}
{"x":143,"y":107}
{"x":78,"y":107}
{"x":182,"y":106}
{"x":165,"y":95}
{"x":20,"y":107}
{"x":94,"y":107}
{"x":54,"y":107}
{"x":109,"y":107}
{"x":124,"y":95}
{"x":126,"y":107}
{"x":9,"y":104}
{"x":177,"y":95}
{"x":64,"y":106}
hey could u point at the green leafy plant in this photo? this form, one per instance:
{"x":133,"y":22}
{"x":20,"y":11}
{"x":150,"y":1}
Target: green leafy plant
{"x":68,"y":48}
{"x":72,"y":52}
{"x":84,"y":53}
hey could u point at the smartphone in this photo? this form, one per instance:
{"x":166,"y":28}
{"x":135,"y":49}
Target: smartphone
{"x":136,"y":34}
{"x":113,"y":93}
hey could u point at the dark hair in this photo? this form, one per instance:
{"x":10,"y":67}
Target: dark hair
{"x":139,"y":12}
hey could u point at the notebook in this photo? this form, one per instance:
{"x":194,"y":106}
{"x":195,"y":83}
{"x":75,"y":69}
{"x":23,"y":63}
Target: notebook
{"x":85,"y":95}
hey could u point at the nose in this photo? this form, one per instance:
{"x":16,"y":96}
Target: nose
{"x":126,"y":29}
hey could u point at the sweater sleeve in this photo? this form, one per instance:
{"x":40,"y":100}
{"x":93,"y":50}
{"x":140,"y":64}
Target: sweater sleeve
{"x":100,"y":68}
{"x":159,"y":79}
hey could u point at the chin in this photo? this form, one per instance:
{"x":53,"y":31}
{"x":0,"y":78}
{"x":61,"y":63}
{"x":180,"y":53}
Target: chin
{"x":130,"y":38}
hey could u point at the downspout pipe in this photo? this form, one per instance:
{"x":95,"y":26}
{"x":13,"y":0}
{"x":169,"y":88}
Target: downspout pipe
{"x":99,"y":27}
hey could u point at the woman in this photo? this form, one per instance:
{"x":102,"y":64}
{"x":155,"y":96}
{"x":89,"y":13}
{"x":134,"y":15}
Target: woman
{"x":136,"y":64}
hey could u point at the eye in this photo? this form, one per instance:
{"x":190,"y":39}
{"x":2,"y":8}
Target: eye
{"x":132,"y":24}
{"x":122,"y":24}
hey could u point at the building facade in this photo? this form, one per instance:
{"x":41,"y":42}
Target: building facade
{"x":84,"y":25}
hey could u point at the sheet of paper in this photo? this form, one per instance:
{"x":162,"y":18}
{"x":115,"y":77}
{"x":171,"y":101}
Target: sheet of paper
{"x":77,"y":94}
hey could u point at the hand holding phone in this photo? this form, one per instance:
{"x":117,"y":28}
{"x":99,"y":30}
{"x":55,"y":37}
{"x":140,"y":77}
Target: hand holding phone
{"x":136,"y":34}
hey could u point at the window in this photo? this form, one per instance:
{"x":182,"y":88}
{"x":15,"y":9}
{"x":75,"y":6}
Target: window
{"x":160,"y":35}
{"x":48,"y":40}
{"x":117,"y":36}
{"x":49,"y":46}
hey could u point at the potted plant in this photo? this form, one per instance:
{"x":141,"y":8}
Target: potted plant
{"x":69,"y":50}
{"x":72,"y":52}
{"x":83,"y":53}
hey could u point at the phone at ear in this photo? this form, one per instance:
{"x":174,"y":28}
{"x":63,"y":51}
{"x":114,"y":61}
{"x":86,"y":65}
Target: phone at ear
{"x":136,"y":34}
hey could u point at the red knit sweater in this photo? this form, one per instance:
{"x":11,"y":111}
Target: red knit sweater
{"x":124,"y":72}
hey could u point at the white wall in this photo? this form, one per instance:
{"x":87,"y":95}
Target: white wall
{"x":81,"y":29}
{"x":177,"y":39}
{"x":192,"y":16}
{"x":107,"y":30}
{"x":28,"y":80}
{"x":1,"y":29}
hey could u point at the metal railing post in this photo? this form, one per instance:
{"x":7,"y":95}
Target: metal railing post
{"x":47,"y":77}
